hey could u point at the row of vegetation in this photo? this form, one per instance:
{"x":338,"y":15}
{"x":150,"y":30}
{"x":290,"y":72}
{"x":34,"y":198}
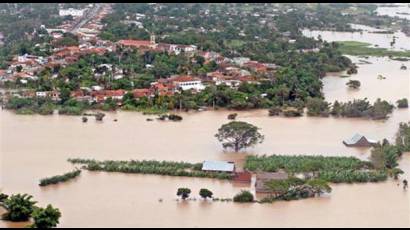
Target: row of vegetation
{"x":380,"y":109}
{"x":60,"y":178}
{"x":242,"y":197}
{"x":331,"y":169}
{"x":289,"y":189}
{"x":45,"y":106}
{"x":168,"y":168}
{"x":21,"y":207}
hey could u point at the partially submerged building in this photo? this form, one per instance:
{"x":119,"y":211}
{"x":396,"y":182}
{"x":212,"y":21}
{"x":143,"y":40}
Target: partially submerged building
{"x":263,"y":178}
{"x":243,"y":177}
{"x":359,"y":140}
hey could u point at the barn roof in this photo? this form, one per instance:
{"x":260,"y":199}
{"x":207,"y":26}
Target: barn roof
{"x":356,"y":138}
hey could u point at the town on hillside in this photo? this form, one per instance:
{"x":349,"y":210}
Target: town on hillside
{"x":86,"y":25}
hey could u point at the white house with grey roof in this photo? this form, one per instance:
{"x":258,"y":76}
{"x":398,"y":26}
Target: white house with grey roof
{"x":359,"y":140}
{"x":218,"y":166}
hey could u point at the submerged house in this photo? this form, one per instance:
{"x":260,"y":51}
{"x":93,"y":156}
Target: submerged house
{"x":359,"y":140}
{"x":263,"y":178}
{"x":243,"y":177}
{"x":218,"y":166}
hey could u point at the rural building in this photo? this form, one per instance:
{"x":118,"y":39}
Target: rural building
{"x":359,"y":140}
{"x":262,"y":178}
{"x":218,"y":166}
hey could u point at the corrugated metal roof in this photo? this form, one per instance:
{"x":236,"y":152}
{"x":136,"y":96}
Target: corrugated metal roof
{"x":356,"y":138}
{"x":218,"y":166}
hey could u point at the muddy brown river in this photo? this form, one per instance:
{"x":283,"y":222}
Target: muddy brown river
{"x":34,"y":147}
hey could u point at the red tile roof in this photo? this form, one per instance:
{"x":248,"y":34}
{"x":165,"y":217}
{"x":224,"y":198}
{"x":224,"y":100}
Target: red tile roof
{"x":243,"y":177}
{"x":135,"y":43}
{"x":114,"y":93}
{"x":184,"y":78}
{"x":141,"y":92}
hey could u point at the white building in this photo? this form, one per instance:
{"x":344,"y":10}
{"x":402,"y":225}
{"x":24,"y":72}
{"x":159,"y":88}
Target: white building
{"x":177,"y":49}
{"x":188,"y":83}
{"x":97,"y":88}
{"x":71,"y":11}
{"x":41,"y":94}
{"x":240,"y":60}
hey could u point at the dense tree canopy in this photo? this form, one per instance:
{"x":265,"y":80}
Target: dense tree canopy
{"x":239,"y":135}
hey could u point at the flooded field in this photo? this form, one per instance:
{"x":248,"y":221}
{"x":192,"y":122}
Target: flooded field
{"x":368,"y":35}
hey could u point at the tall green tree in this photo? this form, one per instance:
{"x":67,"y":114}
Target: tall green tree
{"x":239,"y":135}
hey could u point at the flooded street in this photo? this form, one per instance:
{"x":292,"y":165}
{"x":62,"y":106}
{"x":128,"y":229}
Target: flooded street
{"x":33,"y":147}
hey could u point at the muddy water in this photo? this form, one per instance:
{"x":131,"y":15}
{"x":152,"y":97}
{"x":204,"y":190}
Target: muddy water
{"x":396,"y":84}
{"x":33,"y":147}
{"x":402,"y":10}
{"x":375,"y":39}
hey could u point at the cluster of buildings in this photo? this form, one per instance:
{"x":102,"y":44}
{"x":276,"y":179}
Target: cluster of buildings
{"x":26,"y":67}
{"x":257,"y":180}
{"x":161,"y":47}
{"x":231,"y":72}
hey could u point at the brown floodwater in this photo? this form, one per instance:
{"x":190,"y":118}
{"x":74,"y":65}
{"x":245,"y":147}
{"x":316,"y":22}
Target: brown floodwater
{"x":396,"y":84}
{"x":401,"y":10}
{"x":33,"y":147}
{"x":402,"y":42}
